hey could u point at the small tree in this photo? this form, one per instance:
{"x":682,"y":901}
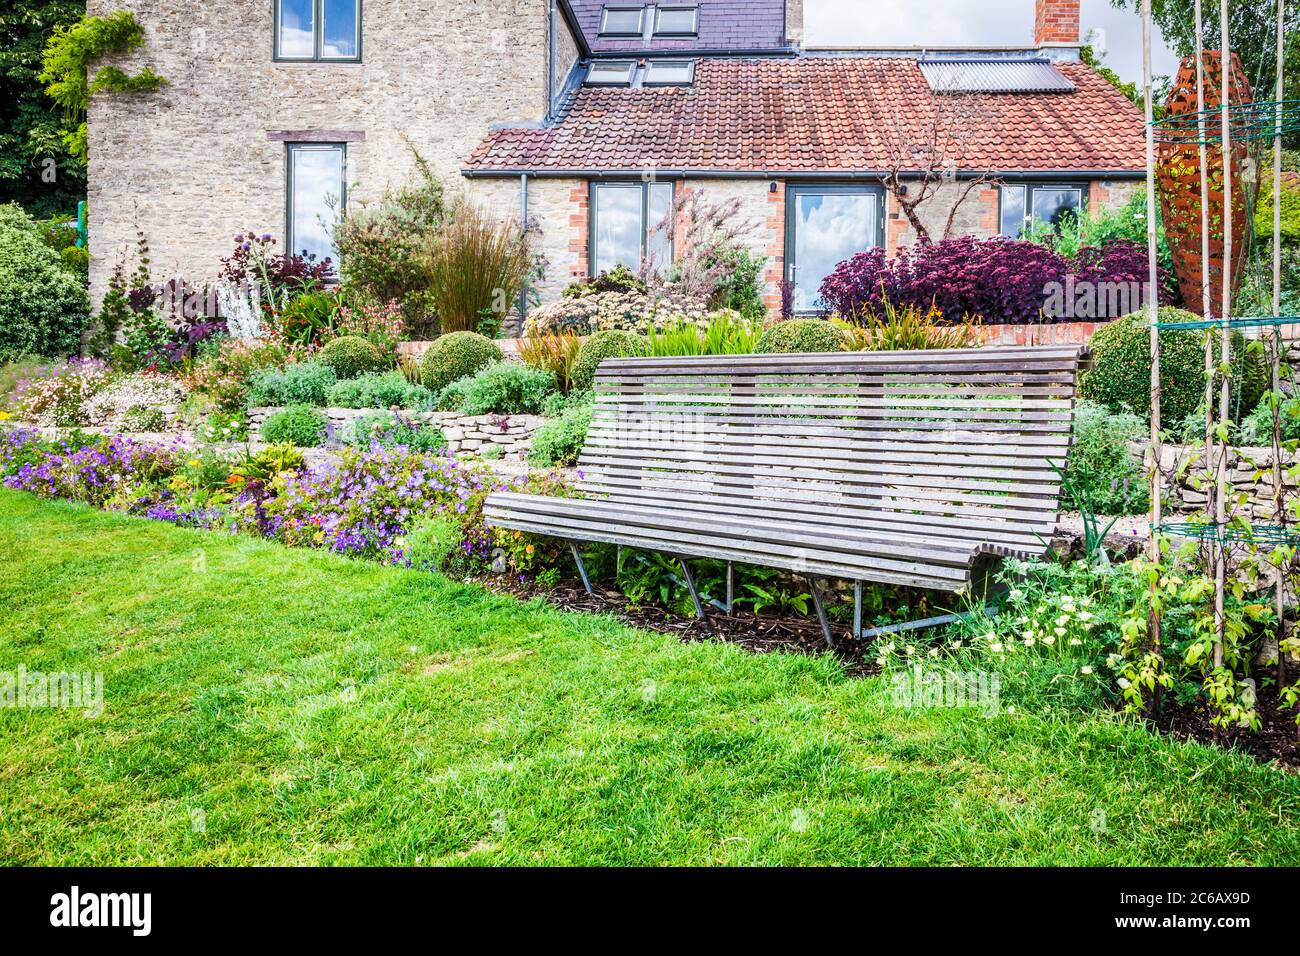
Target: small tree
{"x":926,"y":149}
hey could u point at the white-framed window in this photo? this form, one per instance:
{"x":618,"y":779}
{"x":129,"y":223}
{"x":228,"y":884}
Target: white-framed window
{"x":677,"y":20}
{"x":318,"y":30}
{"x":622,"y":20}
{"x":611,"y":73}
{"x":1041,"y":203}
{"x":317,"y":192}
{"x":629,"y":224}
{"x":669,"y":73}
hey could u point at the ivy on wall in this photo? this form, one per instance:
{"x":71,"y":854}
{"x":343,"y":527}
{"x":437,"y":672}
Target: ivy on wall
{"x":66,"y":70}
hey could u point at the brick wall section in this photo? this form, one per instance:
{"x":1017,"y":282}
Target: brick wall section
{"x":579,"y":230}
{"x":775,"y":232}
{"x":191,"y":164}
{"x":1056,"y":21}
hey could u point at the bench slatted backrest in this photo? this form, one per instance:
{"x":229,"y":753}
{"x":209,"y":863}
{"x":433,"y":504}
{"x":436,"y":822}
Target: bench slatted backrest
{"x":954,"y":445}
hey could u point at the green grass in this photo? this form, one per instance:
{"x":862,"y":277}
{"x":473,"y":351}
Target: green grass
{"x":319,"y":710}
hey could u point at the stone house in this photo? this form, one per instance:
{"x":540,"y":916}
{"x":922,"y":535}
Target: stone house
{"x":590,"y":118}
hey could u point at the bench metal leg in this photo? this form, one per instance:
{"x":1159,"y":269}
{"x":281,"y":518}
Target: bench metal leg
{"x":731,"y":587}
{"x":821,"y":612}
{"x":582,"y":568}
{"x":857,"y":609}
{"x":690,"y":586}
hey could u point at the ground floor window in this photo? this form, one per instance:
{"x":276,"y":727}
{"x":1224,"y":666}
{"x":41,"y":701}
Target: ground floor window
{"x":629,"y":224}
{"x":1045,"y":204}
{"x":317,"y":192}
{"x":826,"y":224}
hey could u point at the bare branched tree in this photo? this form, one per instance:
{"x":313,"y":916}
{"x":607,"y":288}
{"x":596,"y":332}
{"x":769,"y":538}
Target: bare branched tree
{"x":927,"y":153}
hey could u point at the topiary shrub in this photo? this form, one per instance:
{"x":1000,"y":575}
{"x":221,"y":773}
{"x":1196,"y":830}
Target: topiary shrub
{"x":299,"y":425}
{"x":505,"y":388}
{"x":603,"y":345}
{"x":305,"y":383}
{"x":351,"y":355}
{"x":454,"y":356}
{"x":802,"y":335}
{"x":43,"y":306}
{"x":1120,"y":377}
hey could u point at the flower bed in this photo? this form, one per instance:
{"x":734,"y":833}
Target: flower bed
{"x":365,"y":504}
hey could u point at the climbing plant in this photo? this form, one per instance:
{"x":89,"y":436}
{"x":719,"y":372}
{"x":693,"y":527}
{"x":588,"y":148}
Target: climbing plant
{"x":66,"y":70}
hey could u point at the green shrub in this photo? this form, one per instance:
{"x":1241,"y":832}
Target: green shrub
{"x":601,"y":346}
{"x":504,"y":388}
{"x":351,"y":355}
{"x":456,"y":355}
{"x":306,"y":383}
{"x":802,"y":335}
{"x":1103,"y":475}
{"x":299,"y":425}
{"x":1121,"y":374}
{"x":378,"y":390}
{"x":560,"y":440}
{"x":1290,"y":211}
{"x":393,"y":431}
{"x":382,"y":249}
{"x":43,"y":306}
{"x":1257,"y":427}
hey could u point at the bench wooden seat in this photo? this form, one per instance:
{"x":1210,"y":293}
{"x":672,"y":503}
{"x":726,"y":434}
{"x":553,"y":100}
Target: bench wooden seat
{"x":922,"y":469}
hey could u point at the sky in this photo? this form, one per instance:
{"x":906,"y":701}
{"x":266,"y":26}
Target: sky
{"x":977,"y":23}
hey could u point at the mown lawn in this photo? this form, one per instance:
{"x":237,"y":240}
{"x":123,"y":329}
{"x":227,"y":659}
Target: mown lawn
{"x":319,"y":710}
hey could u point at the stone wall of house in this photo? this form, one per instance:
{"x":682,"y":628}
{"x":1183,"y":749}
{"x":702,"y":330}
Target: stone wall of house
{"x":198,"y":161}
{"x":464,"y":433}
{"x":763,"y":227}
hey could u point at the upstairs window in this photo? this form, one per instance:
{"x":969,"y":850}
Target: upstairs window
{"x":611,"y":73}
{"x":669,"y":73}
{"x":318,"y":30}
{"x":677,"y":20}
{"x":317,"y":194}
{"x":1045,"y":205}
{"x":622,"y":21}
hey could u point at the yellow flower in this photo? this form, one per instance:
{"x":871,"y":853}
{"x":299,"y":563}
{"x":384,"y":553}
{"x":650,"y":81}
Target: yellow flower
{"x":5,"y":416}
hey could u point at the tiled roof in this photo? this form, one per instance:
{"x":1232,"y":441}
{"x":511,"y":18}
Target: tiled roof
{"x":820,"y":114}
{"x":724,"y":25}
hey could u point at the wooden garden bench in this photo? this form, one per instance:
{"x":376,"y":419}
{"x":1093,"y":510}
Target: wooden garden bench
{"x":921,"y":469}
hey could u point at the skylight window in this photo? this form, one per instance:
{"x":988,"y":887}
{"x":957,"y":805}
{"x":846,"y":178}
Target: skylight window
{"x":622,"y":21}
{"x":611,"y":73}
{"x":670,"y":73}
{"x":677,"y":21}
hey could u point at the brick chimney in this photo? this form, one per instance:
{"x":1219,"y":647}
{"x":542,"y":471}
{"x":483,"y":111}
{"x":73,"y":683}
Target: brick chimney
{"x":1056,"y":22}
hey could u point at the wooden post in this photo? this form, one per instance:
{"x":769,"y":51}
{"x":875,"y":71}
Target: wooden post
{"x":1153,"y":315}
{"x":1279,"y":508}
{"x":1225,"y":335}
{"x":1214,"y":552}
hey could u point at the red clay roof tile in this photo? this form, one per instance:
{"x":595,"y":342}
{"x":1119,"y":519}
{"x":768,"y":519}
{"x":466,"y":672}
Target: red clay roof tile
{"x":815,"y":114}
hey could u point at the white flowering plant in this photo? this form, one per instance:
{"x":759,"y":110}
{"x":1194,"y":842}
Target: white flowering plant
{"x":1049,"y":638}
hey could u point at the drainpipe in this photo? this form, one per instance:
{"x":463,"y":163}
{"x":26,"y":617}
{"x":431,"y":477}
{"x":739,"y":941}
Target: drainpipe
{"x":550,"y":65}
{"x":523,"y":225}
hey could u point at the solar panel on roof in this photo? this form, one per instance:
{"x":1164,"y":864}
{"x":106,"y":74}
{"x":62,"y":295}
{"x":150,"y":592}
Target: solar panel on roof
{"x":995,"y":76}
